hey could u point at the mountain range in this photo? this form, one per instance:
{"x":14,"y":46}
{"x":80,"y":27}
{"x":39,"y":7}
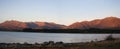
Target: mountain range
{"x":106,"y":23}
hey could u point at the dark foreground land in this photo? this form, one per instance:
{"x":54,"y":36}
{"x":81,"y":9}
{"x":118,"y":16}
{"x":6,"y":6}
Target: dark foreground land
{"x":108,"y":43}
{"x":92,"y":30}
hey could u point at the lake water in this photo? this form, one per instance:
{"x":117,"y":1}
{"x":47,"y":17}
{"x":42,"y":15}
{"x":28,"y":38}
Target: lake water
{"x":21,"y":37}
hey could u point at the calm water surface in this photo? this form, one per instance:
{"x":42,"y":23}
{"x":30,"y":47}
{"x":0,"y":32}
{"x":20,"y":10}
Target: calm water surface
{"x":12,"y":37}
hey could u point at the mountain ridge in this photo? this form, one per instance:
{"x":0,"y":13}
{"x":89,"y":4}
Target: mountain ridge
{"x":105,"y":23}
{"x":17,"y":25}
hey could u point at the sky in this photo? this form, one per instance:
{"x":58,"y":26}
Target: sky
{"x":59,"y":11}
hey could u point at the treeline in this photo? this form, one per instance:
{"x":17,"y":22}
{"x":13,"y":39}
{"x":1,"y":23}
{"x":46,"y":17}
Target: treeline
{"x":92,"y":30}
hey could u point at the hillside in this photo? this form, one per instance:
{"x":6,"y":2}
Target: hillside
{"x":17,"y":25}
{"x":106,"y":23}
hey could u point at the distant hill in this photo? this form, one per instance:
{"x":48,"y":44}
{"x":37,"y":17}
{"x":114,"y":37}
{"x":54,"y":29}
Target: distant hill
{"x":17,"y":25}
{"x":106,"y":23}
{"x":12,"y":25}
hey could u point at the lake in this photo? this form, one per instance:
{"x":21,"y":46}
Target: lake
{"x":21,"y":37}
